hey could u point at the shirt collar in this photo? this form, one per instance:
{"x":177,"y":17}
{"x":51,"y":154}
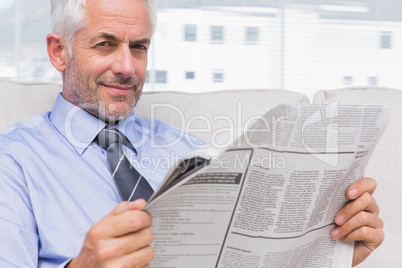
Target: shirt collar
{"x":77,"y":125}
{"x":80,"y":128}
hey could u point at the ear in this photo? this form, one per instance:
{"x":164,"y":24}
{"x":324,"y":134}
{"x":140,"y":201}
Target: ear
{"x":57,"y":51}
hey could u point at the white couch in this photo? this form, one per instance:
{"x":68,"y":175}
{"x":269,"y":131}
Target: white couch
{"x":194,"y":112}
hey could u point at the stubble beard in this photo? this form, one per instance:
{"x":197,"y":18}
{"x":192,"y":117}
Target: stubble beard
{"x":84,"y":93}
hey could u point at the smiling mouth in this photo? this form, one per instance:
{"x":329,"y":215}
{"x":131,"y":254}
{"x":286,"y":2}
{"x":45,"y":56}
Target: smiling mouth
{"x":119,"y":87}
{"x":119,"y":90}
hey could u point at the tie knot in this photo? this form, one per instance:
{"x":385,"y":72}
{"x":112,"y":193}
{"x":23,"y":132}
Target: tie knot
{"x":107,"y":137}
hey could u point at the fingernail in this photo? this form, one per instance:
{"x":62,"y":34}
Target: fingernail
{"x":339,"y":219}
{"x":352,"y":193}
{"x":135,"y":202}
{"x":335,"y":233}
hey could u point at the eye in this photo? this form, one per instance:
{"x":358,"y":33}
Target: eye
{"x":138,"y":47}
{"x":104,"y":44}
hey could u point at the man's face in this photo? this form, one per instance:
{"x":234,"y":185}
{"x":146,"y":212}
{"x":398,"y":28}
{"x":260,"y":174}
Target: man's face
{"x":106,"y":74}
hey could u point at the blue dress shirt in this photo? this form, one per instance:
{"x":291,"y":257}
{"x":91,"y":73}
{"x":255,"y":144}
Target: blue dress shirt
{"x":55,"y":182}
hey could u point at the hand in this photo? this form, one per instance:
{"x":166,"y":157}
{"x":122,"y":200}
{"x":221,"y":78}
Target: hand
{"x":358,"y":220}
{"x":120,"y":239}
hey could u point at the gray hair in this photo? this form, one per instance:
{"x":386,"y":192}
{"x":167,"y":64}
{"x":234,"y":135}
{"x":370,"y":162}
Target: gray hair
{"x":68,"y":16}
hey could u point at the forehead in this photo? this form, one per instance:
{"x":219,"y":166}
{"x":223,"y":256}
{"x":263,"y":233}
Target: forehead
{"x":124,"y":16}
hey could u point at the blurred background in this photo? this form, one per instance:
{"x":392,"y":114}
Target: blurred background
{"x":204,"y":45}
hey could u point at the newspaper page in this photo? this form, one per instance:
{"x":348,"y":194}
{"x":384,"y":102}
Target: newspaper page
{"x":270,"y":199}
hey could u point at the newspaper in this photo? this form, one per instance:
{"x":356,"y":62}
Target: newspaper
{"x":269,"y":200}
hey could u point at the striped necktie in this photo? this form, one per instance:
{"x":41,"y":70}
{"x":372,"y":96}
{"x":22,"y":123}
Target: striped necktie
{"x":129,"y":182}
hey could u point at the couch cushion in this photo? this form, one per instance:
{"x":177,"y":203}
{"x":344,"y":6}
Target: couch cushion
{"x":207,"y":115}
{"x":23,"y":100}
{"x":216,"y":117}
{"x":385,"y":165}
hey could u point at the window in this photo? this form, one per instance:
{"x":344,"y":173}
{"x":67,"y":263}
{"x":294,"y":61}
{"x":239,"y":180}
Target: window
{"x":372,"y":81}
{"x":23,"y":30}
{"x":161,"y":77}
{"x":147,"y":77}
{"x":251,"y":35}
{"x":190,"y":75}
{"x":312,"y":47}
{"x":217,"y":34}
{"x":190,"y":32}
{"x":386,"y":40}
{"x":347,"y":80}
{"x":218,"y":76}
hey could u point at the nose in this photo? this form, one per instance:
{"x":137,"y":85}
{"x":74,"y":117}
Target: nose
{"x":123,"y":63}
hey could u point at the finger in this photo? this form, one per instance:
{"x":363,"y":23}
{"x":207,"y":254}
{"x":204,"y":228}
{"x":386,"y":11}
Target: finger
{"x":117,"y":225}
{"x":360,"y":187}
{"x":139,"y":259}
{"x":364,"y":203}
{"x":362,"y":219}
{"x":372,"y":238}
{"x":125,"y":245}
{"x":125,"y":206}
{"x":138,"y":204}
{"x":129,"y":222}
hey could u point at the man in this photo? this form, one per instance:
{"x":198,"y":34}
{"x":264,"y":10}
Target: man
{"x":58,"y":203}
